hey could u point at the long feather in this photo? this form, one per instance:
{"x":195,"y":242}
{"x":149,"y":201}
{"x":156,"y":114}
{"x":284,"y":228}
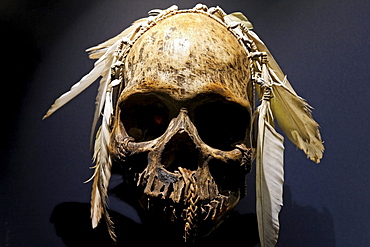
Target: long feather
{"x":293,"y":115}
{"x":77,"y":88}
{"x":269,"y":167}
{"x":102,"y":172}
{"x":101,"y":68}
{"x":269,"y":177}
{"x":109,"y":59}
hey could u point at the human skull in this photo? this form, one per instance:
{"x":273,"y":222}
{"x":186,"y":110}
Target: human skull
{"x":182,"y":126}
{"x":179,"y":131}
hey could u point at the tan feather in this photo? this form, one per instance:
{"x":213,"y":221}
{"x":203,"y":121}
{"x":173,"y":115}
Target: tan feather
{"x":292,"y":112}
{"x":102,"y":172}
{"x":293,"y":115}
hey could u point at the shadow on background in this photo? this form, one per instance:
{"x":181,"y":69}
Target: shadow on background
{"x":300,"y":226}
{"x":304,"y":225}
{"x":72,"y":224}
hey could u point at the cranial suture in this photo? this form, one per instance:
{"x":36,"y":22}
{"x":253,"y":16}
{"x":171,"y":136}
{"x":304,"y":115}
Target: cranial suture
{"x":179,"y":118}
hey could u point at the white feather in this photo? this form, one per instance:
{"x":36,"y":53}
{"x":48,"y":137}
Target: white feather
{"x":77,"y":88}
{"x":101,"y":68}
{"x":293,"y":115}
{"x":269,"y":167}
{"x":269,"y":177}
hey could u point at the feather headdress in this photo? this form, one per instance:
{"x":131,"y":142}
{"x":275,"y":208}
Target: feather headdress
{"x":278,"y":101}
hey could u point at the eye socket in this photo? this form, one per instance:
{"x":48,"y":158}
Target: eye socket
{"x":221,"y":124}
{"x":145,"y":117}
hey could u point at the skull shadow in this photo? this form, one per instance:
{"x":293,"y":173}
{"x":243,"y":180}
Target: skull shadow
{"x":301,"y":226}
{"x":73,"y":225}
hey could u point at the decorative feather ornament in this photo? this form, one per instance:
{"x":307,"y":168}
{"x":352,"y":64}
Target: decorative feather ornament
{"x":269,"y":178}
{"x":98,"y":70}
{"x":103,"y":164}
{"x":113,"y":52}
{"x":269,"y":169}
{"x":292,"y":112}
{"x":112,"y":55}
{"x":293,"y":115}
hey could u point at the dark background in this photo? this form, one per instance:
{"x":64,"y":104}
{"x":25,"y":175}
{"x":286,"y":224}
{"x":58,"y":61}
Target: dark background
{"x":323,"y":46}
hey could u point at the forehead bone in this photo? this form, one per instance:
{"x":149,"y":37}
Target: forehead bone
{"x":187,"y":54}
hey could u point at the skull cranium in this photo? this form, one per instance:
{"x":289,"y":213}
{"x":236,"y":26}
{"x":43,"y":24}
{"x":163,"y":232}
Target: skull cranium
{"x":182,"y":126}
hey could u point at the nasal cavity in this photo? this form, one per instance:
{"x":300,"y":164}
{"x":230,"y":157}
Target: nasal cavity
{"x":180,"y":151}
